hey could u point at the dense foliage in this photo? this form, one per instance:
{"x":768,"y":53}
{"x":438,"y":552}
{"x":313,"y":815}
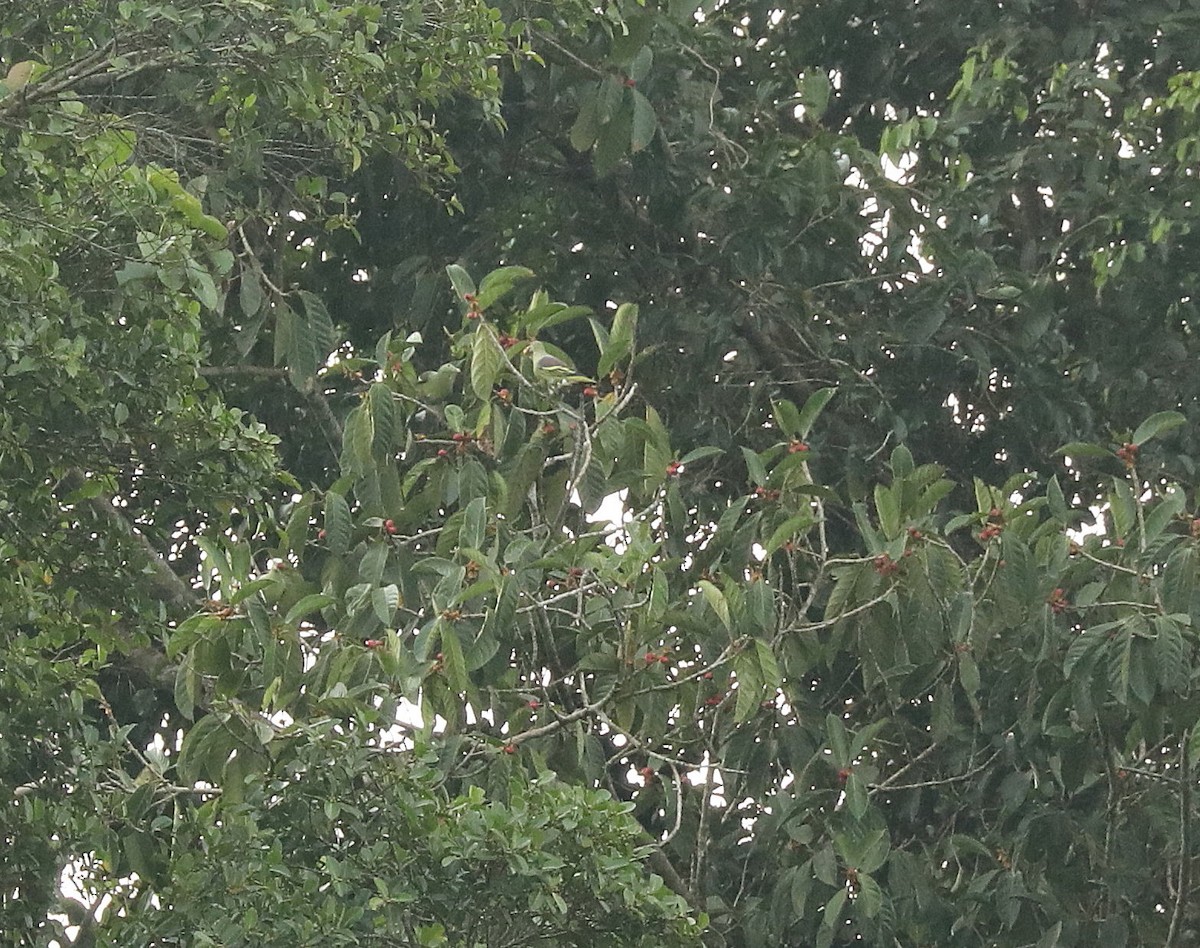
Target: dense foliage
{"x":821,"y":569}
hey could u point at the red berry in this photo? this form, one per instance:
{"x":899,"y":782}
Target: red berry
{"x":389,"y":526}
{"x":443,"y":453}
{"x":534,"y":704}
{"x":651,"y":657}
{"x":589,"y":391}
{"x":320,"y":534}
{"x":373,"y":643}
{"x":708,"y":676}
{"x":665,"y":659}
{"x":844,"y":774}
{"x":504,"y":394}
{"x":510,"y":748}
{"x":796,"y":446}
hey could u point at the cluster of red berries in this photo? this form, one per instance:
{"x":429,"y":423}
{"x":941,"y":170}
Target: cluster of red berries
{"x":995,"y":525}
{"x":1058,"y":601}
{"x":374,"y":643}
{"x":389,"y":527}
{"x":648,"y":774}
{"x":473,"y":310}
{"x":796,"y":446}
{"x":507,"y":341}
{"x":663,"y":658}
{"x":713,"y":700}
{"x":1128,"y":453}
{"x":674,"y":468}
{"x":884,"y":565}
{"x":762,"y":493}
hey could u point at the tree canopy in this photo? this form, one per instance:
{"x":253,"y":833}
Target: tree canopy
{"x":598,"y":474}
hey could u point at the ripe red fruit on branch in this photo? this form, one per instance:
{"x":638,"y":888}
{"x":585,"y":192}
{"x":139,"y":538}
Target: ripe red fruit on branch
{"x":844,"y":774}
{"x":795,"y":446}
{"x":389,"y":526}
{"x":673,"y":469}
{"x":510,"y":748}
{"x":884,"y":565}
{"x":589,"y":391}
{"x":373,"y":643}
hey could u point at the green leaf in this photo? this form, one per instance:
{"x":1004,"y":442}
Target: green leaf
{"x":857,"y":801}
{"x":314,"y":602}
{"x":754,"y":467}
{"x":463,"y":285}
{"x":587,"y":125}
{"x":614,"y":139}
{"x":839,"y":740}
{"x":833,"y":910}
{"x":787,"y":416}
{"x":1156,"y":424}
{"x":250,"y":294}
{"x":812,"y":409}
{"x":639,"y":66}
{"x":190,"y":632}
{"x":358,"y":437}
{"x":337,"y":522}
{"x":699,"y":454}
{"x":487,"y":361}
{"x":385,"y":600}
{"x":887,"y":505}
{"x":749,"y":685}
{"x":716,"y":601}
{"x":787,"y":531}
{"x":644,"y":123}
{"x":1084,"y":449}
{"x":499,"y":283}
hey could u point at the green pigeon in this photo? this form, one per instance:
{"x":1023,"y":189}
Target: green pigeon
{"x":551,"y":370}
{"x":435,"y":386}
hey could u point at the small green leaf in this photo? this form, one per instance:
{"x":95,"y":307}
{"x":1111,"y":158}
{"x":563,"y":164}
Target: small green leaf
{"x":487,"y":360}
{"x":812,"y":408}
{"x":587,"y":125}
{"x":1156,"y":424}
{"x":307,"y":606}
{"x":839,"y":740}
{"x":716,"y":600}
{"x":463,"y":285}
{"x":337,"y":522}
{"x":644,"y":123}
